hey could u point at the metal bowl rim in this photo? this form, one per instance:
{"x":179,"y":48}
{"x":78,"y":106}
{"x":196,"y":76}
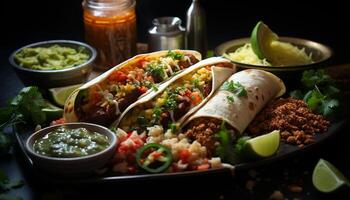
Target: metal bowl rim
{"x":327,"y":52}
{"x":37,"y":44}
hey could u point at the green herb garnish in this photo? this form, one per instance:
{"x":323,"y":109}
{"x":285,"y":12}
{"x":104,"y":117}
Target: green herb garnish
{"x":225,"y":150}
{"x":175,"y":55}
{"x":156,"y":69}
{"x":235,"y":88}
{"x":230,"y":99}
{"x":319,"y":92}
{"x":26,"y":107}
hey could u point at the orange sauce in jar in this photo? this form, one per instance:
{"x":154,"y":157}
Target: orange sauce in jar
{"x":110,"y":27}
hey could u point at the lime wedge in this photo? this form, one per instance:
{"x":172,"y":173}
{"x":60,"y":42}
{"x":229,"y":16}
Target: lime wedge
{"x":327,"y":178}
{"x":60,"y":95}
{"x":52,"y":112}
{"x":261,"y":40}
{"x":262,"y":146}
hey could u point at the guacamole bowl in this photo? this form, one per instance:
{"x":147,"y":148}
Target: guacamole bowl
{"x":60,"y":157}
{"x":58,"y":76}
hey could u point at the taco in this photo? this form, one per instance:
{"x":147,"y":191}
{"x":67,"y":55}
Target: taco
{"x":233,"y":107}
{"x":104,"y":98}
{"x":178,"y":98}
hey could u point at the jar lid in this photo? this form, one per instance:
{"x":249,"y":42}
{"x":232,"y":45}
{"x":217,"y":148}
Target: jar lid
{"x":108,"y":4}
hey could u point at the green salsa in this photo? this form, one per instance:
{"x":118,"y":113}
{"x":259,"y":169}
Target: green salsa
{"x":65,"y":142}
{"x":54,"y":57}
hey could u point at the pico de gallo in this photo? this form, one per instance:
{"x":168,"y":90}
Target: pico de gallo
{"x":103,"y":102}
{"x":172,"y":104}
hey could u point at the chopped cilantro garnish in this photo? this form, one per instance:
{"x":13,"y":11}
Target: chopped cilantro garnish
{"x":175,"y":55}
{"x":155,"y":88}
{"x":234,"y":87}
{"x":156,"y":69}
{"x":230,"y":99}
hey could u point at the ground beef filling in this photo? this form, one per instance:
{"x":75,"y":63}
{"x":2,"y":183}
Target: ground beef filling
{"x":297,"y":123}
{"x":203,"y":130}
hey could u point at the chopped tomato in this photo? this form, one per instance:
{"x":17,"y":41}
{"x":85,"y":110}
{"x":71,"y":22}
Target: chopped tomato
{"x":203,"y":167}
{"x":118,"y":76}
{"x":143,"y":89}
{"x":196,"y":98}
{"x":184,"y":155}
{"x":131,"y":143}
{"x":58,"y":121}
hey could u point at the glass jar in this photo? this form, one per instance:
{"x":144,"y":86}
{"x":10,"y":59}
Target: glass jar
{"x":110,"y":27}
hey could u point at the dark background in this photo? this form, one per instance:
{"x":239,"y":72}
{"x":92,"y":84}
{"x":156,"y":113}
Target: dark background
{"x":24,"y":22}
{"x":327,"y":22}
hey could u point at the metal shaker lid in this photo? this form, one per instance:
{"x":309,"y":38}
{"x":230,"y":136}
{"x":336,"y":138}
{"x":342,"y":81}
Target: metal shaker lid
{"x":166,"y":26}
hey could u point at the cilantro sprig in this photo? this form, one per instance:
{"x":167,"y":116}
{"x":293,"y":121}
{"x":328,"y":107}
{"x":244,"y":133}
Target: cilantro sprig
{"x":26,"y":107}
{"x":236,"y":88}
{"x":320,"y":92}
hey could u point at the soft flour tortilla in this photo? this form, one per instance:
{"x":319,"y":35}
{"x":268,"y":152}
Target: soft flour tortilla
{"x":261,"y":87}
{"x":70,"y":107}
{"x":219,"y":75}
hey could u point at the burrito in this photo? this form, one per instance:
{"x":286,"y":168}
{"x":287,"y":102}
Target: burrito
{"x":103,"y":99}
{"x":178,"y":98}
{"x":234,"y":105}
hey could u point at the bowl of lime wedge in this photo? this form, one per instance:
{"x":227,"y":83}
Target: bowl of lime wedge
{"x":264,"y":49}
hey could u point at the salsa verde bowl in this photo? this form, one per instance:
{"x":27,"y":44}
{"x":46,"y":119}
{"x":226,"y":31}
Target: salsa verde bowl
{"x":320,"y":54}
{"x":50,"y":78}
{"x":73,"y":165}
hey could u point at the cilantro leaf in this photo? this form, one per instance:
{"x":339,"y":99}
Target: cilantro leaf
{"x":29,"y":103}
{"x":230,"y":99}
{"x":241,"y":142}
{"x":310,"y":78}
{"x":225,"y":150}
{"x":175,"y":55}
{"x":234,"y":87}
{"x":320,"y":92}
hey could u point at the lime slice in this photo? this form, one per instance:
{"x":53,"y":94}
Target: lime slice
{"x":261,"y":40}
{"x":60,"y":95}
{"x":262,"y":146}
{"x":327,"y":178}
{"x":52,"y":112}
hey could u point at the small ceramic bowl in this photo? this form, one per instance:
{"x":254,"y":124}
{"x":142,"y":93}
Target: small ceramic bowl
{"x":72,"y":166}
{"x":55,"y":78}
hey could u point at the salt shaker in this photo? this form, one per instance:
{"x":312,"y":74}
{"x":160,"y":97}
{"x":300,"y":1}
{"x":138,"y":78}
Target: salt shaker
{"x":196,"y":28}
{"x":166,"y":34}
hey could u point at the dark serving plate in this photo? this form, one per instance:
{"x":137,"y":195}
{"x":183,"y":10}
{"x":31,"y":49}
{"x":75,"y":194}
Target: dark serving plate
{"x":285,"y":151}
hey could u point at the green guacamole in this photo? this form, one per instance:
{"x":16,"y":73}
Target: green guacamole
{"x":65,"y":142}
{"x":51,"y":58}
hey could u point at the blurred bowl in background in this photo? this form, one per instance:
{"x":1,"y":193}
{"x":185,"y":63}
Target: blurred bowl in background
{"x":320,"y":54}
{"x":60,"y":77}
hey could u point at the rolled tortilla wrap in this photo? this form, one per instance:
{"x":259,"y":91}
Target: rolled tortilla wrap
{"x":104,"y":98}
{"x":236,"y":111}
{"x":157,"y":107}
